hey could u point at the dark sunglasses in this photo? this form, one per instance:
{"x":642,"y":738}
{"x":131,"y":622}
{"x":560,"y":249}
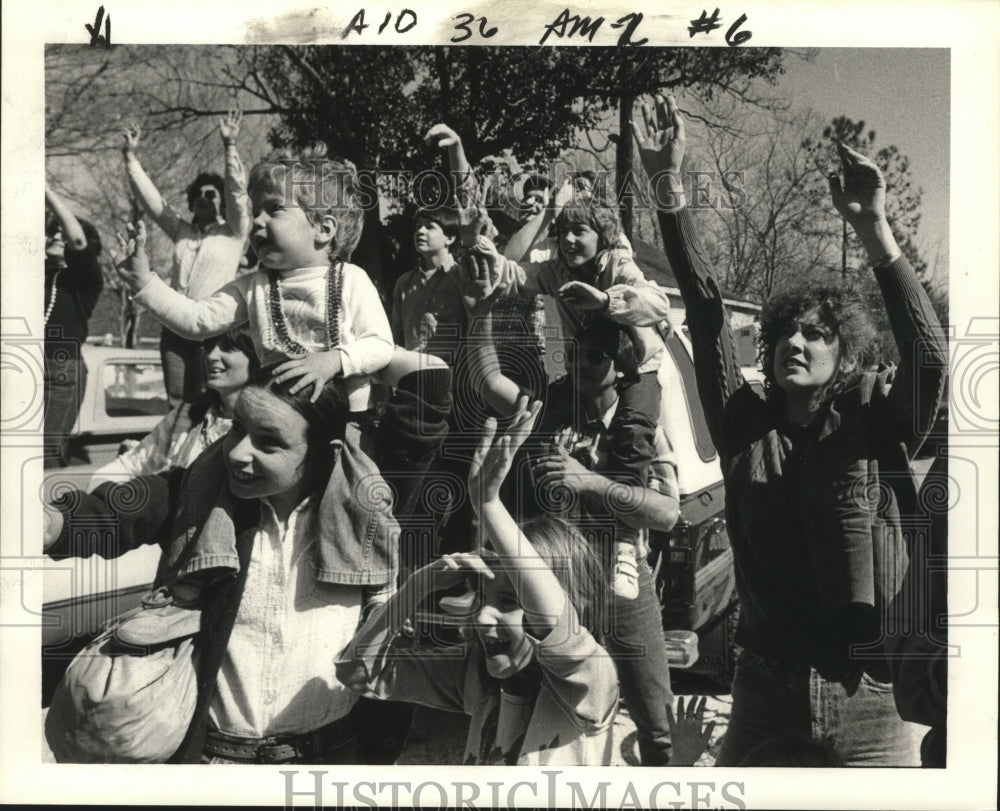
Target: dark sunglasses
{"x":208,"y":194}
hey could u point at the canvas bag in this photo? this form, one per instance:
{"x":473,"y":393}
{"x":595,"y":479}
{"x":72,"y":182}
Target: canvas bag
{"x":122,"y":704}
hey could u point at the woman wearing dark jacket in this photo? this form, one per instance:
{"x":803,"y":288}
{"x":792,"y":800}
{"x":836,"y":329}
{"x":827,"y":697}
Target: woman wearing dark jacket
{"x":817,"y":473}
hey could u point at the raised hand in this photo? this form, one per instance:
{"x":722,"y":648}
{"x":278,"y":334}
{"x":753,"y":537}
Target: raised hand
{"x":689,"y":736}
{"x":491,"y":463}
{"x":229,"y":127}
{"x":132,"y":135}
{"x":442,"y":136}
{"x":132,"y":266}
{"x":479,"y":281}
{"x":661,"y":140}
{"x":861,"y":197}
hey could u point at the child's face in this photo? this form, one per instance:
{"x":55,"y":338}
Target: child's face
{"x":534,"y":204}
{"x":282,"y":235}
{"x":500,"y":627}
{"x":266,"y":448}
{"x":578,"y":244}
{"x":429,"y":238}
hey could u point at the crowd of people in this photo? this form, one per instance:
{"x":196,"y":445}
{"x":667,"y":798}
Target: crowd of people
{"x":294,"y":486}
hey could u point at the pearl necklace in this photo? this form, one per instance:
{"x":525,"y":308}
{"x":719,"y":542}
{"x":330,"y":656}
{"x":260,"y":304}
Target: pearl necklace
{"x":278,"y":325}
{"x":52,"y":298}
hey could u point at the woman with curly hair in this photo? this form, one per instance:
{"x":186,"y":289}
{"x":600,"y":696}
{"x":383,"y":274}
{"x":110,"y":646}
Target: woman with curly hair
{"x":817,"y":475}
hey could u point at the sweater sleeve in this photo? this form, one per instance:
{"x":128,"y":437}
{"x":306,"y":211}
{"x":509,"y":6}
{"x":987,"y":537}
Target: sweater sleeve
{"x":634,"y":300}
{"x":222,"y":311}
{"x":372,"y":345}
{"x":238,"y":216}
{"x":918,"y":387}
{"x":716,"y":367}
{"x":117,"y":518}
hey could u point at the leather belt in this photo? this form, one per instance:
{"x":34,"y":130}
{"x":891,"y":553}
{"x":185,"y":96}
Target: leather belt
{"x":280,"y":748}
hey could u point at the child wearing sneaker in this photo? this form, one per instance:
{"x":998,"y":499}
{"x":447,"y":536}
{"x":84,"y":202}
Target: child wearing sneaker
{"x":576,"y":476}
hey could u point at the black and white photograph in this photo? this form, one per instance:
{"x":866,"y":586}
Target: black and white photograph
{"x":420,"y":404}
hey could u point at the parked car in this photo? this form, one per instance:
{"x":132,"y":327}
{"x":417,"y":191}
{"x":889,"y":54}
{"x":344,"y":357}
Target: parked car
{"x":124,"y":400}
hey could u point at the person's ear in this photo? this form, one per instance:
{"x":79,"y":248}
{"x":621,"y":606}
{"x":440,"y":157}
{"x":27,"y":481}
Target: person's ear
{"x":325,"y":229}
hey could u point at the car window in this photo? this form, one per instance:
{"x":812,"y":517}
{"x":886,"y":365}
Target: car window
{"x":702,"y":439}
{"x":133,"y":389}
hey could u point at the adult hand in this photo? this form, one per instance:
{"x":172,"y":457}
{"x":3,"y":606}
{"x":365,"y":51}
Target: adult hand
{"x":491,"y":463}
{"x":689,"y":736}
{"x":442,"y":136}
{"x":229,"y":127}
{"x":559,"y":469}
{"x":131,"y":134}
{"x":661,"y":140}
{"x":53,"y":524}
{"x":584,"y":296}
{"x":316,"y":368}
{"x":861,"y":198}
{"x":133,"y":266}
{"x":479,"y":283}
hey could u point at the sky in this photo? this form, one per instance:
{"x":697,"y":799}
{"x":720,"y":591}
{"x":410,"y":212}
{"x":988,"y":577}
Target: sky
{"x":907,"y":104}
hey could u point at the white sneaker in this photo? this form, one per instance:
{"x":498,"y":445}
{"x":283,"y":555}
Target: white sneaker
{"x":626,"y":579}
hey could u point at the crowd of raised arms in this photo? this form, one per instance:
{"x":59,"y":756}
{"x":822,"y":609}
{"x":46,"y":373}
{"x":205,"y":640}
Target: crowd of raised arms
{"x":362,"y":508}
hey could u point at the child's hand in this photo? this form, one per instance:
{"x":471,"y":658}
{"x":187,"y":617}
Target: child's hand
{"x":441,"y":136}
{"x":131,"y":134}
{"x":687,"y":737}
{"x":229,"y":127}
{"x":316,"y":369}
{"x":661,"y":148}
{"x":584,"y":296}
{"x":133,"y":267}
{"x":452,"y":570}
{"x":491,"y":463}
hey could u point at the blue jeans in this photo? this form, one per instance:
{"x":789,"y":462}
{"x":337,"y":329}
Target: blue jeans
{"x":636,"y":644}
{"x":772,"y":699}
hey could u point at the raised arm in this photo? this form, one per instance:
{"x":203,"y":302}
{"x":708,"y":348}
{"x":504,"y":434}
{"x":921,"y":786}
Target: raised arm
{"x":539,"y":592}
{"x":661,"y":147}
{"x":143,"y":188}
{"x":918,"y":385}
{"x":220,"y":312}
{"x":73,"y":234}
{"x":136,"y":512}
{"x":238,"y":215}
{"x":485,"y":374}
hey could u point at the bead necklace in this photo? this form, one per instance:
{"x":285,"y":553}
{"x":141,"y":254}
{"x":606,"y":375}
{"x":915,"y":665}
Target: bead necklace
{"x":278,"y":326}
{"x":52,"y":298}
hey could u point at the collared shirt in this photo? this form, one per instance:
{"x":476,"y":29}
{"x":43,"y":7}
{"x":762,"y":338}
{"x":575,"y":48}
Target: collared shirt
{"x":277,"y":677}
{"x":427,"y":311}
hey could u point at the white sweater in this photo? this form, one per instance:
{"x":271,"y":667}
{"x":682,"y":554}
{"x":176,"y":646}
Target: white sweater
{"x":365,"y":344}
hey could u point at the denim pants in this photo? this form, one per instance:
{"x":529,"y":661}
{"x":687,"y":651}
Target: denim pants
{"x":183,"y":368}
{"x":633,"y":430}
{"x":772,"y":699}
{"x":65,"y":381}
{"x":636,"y":644}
